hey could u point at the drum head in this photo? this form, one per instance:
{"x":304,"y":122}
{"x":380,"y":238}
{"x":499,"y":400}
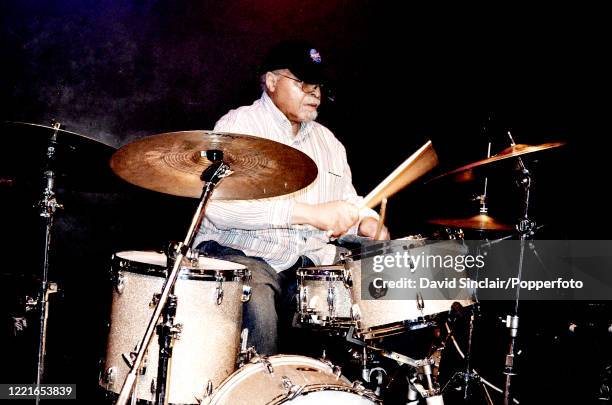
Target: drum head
{"x":155,"y":264}
{"x":331,"y":395}
{"x":159,"y":259}
{"x":148,"y":257}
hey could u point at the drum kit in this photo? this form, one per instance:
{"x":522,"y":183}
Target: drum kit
{"x":194,"y":303}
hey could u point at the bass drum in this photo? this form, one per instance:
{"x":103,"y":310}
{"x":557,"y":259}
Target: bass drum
{"x":291,"y":379}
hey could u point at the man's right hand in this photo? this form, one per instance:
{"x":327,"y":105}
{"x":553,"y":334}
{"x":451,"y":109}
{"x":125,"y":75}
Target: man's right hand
{"x":335,"y":216}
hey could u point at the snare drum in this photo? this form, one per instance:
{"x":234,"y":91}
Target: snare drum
{"x":209,"y":293}
{"x":324,"y":296}
{"x":289,"y":379}
{"x":383,"y":317}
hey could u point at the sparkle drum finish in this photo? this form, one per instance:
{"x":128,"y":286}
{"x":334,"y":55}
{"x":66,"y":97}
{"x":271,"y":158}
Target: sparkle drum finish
{"x":290,"y":379}
{"x":210,"y":294}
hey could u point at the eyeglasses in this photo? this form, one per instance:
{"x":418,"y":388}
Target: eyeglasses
{"x":306,"y":87}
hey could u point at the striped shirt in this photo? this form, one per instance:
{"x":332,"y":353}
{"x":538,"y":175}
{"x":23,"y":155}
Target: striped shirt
{"x":262,"y":228}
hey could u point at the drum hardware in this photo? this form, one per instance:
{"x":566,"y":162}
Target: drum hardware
{"x":472,"y":375}
{"x":154,"y":300}
{"x":219,"y":289}
{"x":120,"y":283}
{"x":264,"y":360}
{"x":377,"y":376}
{"x":167,"y":331}
{"x":48,"y":205}
{"x":330,"y":300}
{"x":62,"y":153}
{"x":424,"y":384}
{"x":293,"y":390}
{"x":246,"y":354}
{"x":526,"y":228}
{"x":109,"y":375}
{"x":246,"y":293}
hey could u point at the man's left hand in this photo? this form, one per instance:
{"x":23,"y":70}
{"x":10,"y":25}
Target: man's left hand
{"x":368,"y":226}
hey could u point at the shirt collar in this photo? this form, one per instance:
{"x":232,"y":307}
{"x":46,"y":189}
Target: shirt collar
{"x":280,"y":119}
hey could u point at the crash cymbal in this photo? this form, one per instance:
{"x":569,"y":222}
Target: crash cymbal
{"x":480,"y":222}
{"x":80,"y":162}
{"x":513,"y":151}
{"x":172,"y":163}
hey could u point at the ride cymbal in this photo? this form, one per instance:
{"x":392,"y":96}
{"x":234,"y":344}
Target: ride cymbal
{"x":173,"y":162}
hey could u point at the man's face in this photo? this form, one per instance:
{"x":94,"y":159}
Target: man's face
{"x":299,"y":103}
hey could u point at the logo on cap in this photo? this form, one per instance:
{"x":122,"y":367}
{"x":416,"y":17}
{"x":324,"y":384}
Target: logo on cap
{"x":314,"y":55}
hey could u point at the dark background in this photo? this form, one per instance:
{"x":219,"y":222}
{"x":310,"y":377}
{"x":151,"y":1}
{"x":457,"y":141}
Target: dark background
{"x":116,"y":71}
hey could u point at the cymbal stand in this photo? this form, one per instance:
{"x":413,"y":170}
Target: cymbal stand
{"x":468,"y":373}
{"x":48,"y":205}
{"x":211,"y":176}
{"x":525,"y":228}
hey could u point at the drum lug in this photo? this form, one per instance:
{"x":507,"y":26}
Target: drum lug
{"x":293,"y":390}
{"x":337,"y":370}
{"x":246,"y":293}
{"x":154,"y":300}
{"x":131,"y":356}
{"x":286,"y":382}
{"x":176,"y":331}
{"x":206,"y":392}
{"x":109,"y":376}
{"x":330,"y":300}
{"x":120,"y":282}
{"x":153,"y":386}
{"x":355,"y":312}
{"x":264,"y":360}
{"x":420,"y":302}
{"x":303,"y":298}
{"x":348,"y":278}
{"x":219,"y":290}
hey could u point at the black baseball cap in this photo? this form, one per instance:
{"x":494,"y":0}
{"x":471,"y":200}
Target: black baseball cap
{"x":300,"y":57}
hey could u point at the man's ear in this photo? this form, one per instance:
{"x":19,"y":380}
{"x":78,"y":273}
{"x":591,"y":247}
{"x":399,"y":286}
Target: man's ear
{"x":271,"y":80}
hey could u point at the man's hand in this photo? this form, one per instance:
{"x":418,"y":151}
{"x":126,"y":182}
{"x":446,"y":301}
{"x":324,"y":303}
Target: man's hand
{"x":335,"y":216}
{"x":368,"y":227}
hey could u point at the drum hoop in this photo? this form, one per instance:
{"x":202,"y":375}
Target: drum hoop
{"x":310,"y":388}
{"x":187,"y":273}
{"x":327,"y":273}
{"x":229,"y":384}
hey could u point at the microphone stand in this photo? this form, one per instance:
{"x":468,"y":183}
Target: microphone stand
{"x":211,"y":176}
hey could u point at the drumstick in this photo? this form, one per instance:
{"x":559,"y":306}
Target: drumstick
{"x":419,"y":163}
{"x":381,"y":220}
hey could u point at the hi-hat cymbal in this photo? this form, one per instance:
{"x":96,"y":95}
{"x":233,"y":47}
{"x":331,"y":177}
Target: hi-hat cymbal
{"x":80,"y":162}
{"x":513,"y":151}
{"x":481,"y":222}
{"x":172,"y":163}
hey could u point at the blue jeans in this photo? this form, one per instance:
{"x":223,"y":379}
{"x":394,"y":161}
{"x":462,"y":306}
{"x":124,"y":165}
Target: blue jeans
{"x":272,"y":305}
